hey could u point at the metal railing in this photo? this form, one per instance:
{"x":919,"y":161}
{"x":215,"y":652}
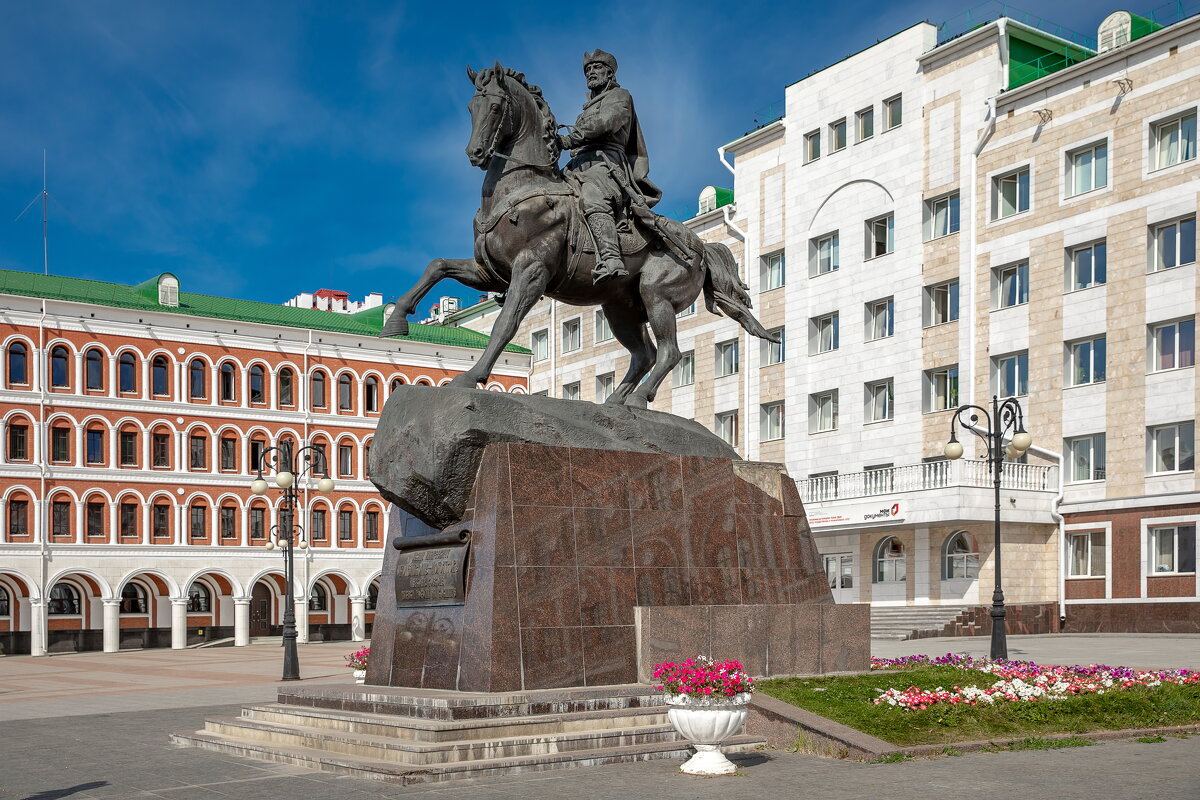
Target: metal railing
{"x":969,"y":473}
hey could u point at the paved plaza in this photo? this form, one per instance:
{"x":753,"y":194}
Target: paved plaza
{"x":92,"y":725}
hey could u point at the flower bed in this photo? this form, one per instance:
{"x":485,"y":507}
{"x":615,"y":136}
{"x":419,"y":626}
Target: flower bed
{"x":1020,"y":681}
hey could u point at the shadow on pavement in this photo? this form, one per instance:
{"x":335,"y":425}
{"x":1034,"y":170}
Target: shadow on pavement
{"x":54,"y":794}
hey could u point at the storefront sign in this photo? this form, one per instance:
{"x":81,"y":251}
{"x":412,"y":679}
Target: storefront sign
{"x":866,"y":514}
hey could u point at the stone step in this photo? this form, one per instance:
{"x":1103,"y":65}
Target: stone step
{"x":405,"y":774}
{"x":900,"y":622}
{"x":408,"y":751}
{"x":433,"y":730}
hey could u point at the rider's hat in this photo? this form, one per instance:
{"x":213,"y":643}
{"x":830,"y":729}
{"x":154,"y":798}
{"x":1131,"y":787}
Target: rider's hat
{"x":607,"y":59}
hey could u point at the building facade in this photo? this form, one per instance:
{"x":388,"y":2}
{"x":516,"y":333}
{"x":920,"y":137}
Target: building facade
{"x":133,"y":420}
{"x":927,"y":226}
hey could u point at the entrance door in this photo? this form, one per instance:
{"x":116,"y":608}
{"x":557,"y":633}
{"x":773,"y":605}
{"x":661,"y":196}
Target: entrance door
{"x":260,"y":610}
{"x":839,"y":570}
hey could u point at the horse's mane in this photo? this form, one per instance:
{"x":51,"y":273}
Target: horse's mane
{"x":549,"y":123}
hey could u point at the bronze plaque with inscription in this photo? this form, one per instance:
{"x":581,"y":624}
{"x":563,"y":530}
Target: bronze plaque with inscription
{"x":431,"y":576}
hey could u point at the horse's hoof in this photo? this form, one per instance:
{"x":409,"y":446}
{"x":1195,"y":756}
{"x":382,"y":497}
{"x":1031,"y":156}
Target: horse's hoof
{"x":635,"y":401}
{"x":396,"y":325}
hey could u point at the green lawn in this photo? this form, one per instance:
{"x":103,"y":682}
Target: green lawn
{"x":848,"y":700}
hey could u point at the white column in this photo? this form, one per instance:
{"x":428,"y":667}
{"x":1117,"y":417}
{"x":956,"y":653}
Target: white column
{"x":178,"y":623}
{"x":113,"y":377}
{"x":358,"y":618}
{"x":112,"y":625}
{"x":301,"y":620}
{"x":241,"y":621}
{"x":37,"y":626}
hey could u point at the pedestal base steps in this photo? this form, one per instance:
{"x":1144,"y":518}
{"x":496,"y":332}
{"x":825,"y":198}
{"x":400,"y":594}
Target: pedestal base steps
{"x":420,"y":735}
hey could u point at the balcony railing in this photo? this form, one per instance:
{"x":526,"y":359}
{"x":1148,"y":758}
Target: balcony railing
{"x":933,"y":475}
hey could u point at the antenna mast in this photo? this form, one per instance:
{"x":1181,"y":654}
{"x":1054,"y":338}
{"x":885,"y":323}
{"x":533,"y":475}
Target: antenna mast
{"x":44,"y":196}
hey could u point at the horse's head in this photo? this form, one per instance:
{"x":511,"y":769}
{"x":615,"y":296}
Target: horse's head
{"x":491,"y":114}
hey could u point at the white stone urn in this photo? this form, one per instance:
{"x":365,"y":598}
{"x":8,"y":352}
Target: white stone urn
{"x":706,"y":722}
{"x":360,"y":676}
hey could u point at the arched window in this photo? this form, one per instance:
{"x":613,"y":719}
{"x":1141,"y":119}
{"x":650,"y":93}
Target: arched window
{"x":396,"y":384}
{"x":64,"y":599}
{"x":287,"y":387}
{"x":18,"y":516}
{"x":889,"y":560}
{"x":133,"y":599}
{"x":199,"y":600}
{"x":318,"y":390}
{"x":345,"y":524}
{"x":160,"y":521}
{"x":345,"y":393}
{"x":371,"y":394}
{"x":372,"y":596}
{"x":4,"y":607}
{"x":60,"y":373}
{"x":197,"y":379}
{"x":317,"y":601}
{"x":258,"y":384}
{"x":127,"y":373}
{"x":94,"y":369}
{"x":960,"y":558}
{"x":159,"y":375}
{"x":18,"y":363}
{"x":19,"y":440}
{"x":228,"y":382}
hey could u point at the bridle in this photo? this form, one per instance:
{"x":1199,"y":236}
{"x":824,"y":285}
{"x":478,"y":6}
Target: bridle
{"x":490,"y":152}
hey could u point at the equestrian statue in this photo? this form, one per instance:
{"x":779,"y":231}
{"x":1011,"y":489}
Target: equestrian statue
{"x":585,"y":234}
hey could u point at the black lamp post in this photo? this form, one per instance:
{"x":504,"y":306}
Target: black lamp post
{"x":281,"y":459}
{"x":1005,"y":418}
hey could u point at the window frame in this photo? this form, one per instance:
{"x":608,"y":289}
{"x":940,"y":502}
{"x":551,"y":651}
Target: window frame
{"x":953,"y":204}
{"x":601,"y":325}
{"x":891,"y":120}
{"x":815,"y":257}
{"x":684,"y":368}
{"x":888,"y":305}
{"x":952,"y":395}
{"x":772,"y":273}
{"x":575,"y":325}
{"x":1176,"y":531}
{"x":539,"y":344}
{"x":1096,"y":444}
{"x":1097,"y":265}
{"x":867,"y":116}
{"x":773,"y":353}
{"x":933,"y":303}
{"x":1179,"y":242}
{"x":895,"y":557}
{"x":835,"y":128}
{"x":725,"y":367}
{"x":965,"y":561}
{"x":826,"y":335}
{"x":1088,"y":550}
{"x":1020,"y":282}
{"x":1072,"y":155}
{"x":1020,"y":370}
{"x":772,"y":421}
{"x":1184,"y":431}
{"x":1075,"y":354}
{"x":888,"y":385}
{"x":1021,"y":192}
{"x":823,"y":409}
{"x":1184,"y":328}
{"x":1178,"y":120}
{"x":725,"y":426}
{"x":812,"y":146}
{"x":870,"y":251}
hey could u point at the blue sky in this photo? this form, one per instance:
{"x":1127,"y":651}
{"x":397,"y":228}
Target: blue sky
{"x":262,"y":149}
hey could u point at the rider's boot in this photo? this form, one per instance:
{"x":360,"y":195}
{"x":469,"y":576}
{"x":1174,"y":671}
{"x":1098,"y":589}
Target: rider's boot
{"x":608,"y":247}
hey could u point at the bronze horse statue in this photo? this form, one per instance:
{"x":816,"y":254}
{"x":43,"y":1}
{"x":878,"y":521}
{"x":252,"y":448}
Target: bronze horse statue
{"x":524,"y":248}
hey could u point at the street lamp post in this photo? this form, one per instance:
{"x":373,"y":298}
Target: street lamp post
{"x":284,"y":462}
{"x":1005,"y":418}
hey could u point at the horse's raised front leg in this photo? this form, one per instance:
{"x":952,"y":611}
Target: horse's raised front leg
{"x":467,"y":271}
{"x":662,"y":322}
{"x":629,"y":328}
{"x":526,"y":289}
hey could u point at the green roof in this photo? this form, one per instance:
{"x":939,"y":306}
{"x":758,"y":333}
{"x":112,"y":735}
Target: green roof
{"x":144,"y":297}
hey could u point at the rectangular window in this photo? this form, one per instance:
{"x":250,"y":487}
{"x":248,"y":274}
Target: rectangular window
{"x":941,"y":303}
{"x":95,"y":447}
{"x":880,"y":319}
{"x":603,"y":329}
{"x":198,"y":452}
{"x":94,"y":519}
{"x":726,"y":426}
{"x":198,"y":527}
{"x":1085,"y":554}
{"x":317,"y":528}
{"x":879,"y":236}
{"x":345,"y":526}
{"x":824,"y":254}
{"x":771,"y":272}
{"x":605,"y":384}
{"x":1174,"y":345}
{"x":1173,"y":549}
{"x":228,"y":454}
{"x":684,"y":373}
{"x":1174,"y":244}
{"x":1088,"y":361}
{"x":257,"y":446}
{"x":539,"y":343}
{"x":824,"y":334}
{"x":1087,"y":168}
{"x":345,"y":461}
{"x":771,"y":424}
{"x":60,"y":518}
{"x":893,"y":112}
{"x":727,"y":358}
{"x":60,"y":444}
{"x":1087,"y":458}
{"x":18,"y":442}
{"x":1172,"y":448}
{"x":837,"y":136}
{"x":160,"y":449}
{"x":865,"y":122}
{"x":1012,"y":375}
{"x":18,"y":517}
{"x":258,"y":523}
{"x":812,"y":146}
{"x":1087,"y":266}
{"x":571,"y":391}
{"x":1175,"y":141}
{"x":320,"y":458}
{"x":371,"y":525}
{"x":572,"y":339}
{"x":160,"y":521}
{"x":1011,"y":285}
{"x":943,"y":388}
{"x":128,"y":519}
{"x":1010,"y":194}
{"x":285,"y":388}
{"x":773,"y":352}
{"x":943,"y":215}
{"x":824,"y":410}
{"x":880,"y":401}
{"x":687,"y":312}
{"x":228,"y":529}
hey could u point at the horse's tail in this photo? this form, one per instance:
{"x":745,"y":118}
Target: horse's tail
{"x":724,"y":291}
